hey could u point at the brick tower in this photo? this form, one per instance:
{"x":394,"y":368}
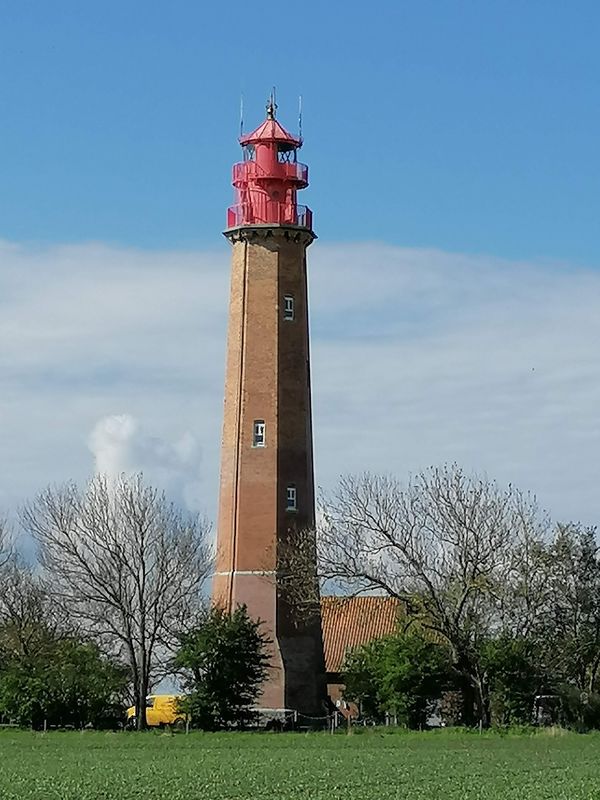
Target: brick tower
{"x":267,"y":484}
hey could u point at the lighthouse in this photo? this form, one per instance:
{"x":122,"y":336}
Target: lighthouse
{"x":267,"y":498}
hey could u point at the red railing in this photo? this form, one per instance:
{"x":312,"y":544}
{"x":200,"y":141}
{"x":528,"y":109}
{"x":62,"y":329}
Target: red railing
{"x":250,"y":171}
{"x":269,"y":213}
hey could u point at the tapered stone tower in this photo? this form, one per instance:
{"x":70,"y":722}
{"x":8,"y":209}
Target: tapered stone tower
{"x":267,"y":484}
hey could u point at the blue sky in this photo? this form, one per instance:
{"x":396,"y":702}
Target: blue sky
{"x":469,"y":126}
{"x":455,"y":284}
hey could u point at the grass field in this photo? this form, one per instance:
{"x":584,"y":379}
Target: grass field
{"x":446,"y":765}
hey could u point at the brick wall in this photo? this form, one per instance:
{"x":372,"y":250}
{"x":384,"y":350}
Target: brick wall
{"x":268,"y":378}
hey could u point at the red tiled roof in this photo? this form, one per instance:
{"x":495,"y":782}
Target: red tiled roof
{"x":352,"y":621}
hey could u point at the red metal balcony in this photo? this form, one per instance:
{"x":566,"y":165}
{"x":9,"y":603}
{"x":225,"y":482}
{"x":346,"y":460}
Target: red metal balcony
{"x":247,"y":171}
{"x":269,"y":213}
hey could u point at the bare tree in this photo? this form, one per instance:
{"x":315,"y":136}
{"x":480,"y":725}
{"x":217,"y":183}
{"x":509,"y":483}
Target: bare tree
{"x":127,"y":565}
{"x":24,"y":608}
{"x":28,"y":613}
{"x":446,"y":544}
{"x":6,"y":543}
{"x":297,"y":572}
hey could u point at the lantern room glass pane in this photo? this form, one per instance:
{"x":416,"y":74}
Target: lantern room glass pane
{"x":286,"y":154}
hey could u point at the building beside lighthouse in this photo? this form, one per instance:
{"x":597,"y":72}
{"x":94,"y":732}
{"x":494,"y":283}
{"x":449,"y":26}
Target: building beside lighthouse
{"x":267,"y":482}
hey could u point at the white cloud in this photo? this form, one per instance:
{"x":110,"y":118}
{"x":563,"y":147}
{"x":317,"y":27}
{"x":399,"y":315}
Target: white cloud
{"x":87,"y":332}
{"x":121,"y":445}
{"x":418,"y":357}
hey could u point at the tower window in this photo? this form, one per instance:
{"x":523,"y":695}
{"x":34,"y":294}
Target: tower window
{"x":291,"y":499}
{"x":258,"y":438}
{"x":288,"y":307}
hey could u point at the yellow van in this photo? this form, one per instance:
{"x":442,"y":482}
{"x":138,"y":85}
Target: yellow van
{"x":161,"y":709}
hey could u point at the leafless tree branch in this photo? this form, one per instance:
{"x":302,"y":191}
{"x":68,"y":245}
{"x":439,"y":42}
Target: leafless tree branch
{"x":127,"y":565}
{"x":448,"y":544}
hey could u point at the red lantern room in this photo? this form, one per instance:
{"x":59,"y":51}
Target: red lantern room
{"x":267,"y":180}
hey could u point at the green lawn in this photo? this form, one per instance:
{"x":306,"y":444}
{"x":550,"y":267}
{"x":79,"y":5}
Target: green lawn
{"x":368,"y":766}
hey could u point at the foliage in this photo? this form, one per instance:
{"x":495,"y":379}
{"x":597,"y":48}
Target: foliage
{"x":423,"y":766}
{"x":447,"y":544}
{"x":62,"y":681}
{"x":403,"y":675}
{"x":224,"y":663}
{"x":570,"y":625}
{"x":126,"y":564}
{"x":515,"y":604}
{"x":48,"y":673}
{"x":480,"y":567}
{"x":514,"y":677}
{"x":578,"y":709}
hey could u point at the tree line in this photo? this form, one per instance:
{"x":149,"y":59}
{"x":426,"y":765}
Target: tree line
{"x":502,"y":607}
{"x":114,"y":604}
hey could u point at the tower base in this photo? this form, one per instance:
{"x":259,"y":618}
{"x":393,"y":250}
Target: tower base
{"x":296,"y":680}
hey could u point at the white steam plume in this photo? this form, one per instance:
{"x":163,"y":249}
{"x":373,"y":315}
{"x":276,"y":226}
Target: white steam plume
{"x":120,"y":445}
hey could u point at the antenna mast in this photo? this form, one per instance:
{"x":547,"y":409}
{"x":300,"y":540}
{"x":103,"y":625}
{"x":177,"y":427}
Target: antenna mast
{"x":272,"y":106}
{"x":241,"y":114}
{"x":300,"y":117}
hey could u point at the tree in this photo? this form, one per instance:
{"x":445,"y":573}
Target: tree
{"x":570,"y":628}
{"x":27,"y":611}
{"x":47,"y":673}
{"x":515,"y":676}
{"x":448,"y":544}
{"x":6,"y":544}
{"x":126,"y":564}
{"x":224,"y":663}
{"x":297,"y":570}
{"x":63,"y":681}
{"x":404,"y":675}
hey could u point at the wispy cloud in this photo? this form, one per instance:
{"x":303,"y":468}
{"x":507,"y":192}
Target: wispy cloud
{"x":418,"y":357}
{"x":89,"y":332}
